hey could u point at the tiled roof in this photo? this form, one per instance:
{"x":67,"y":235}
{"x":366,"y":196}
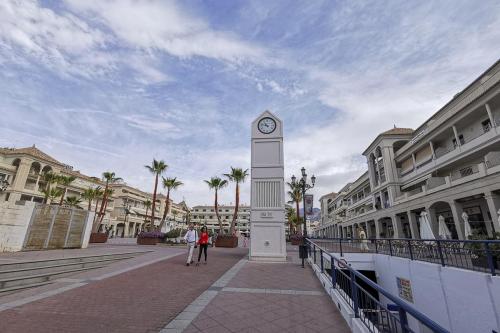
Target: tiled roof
{"x":398,"y":131}
{"x":32,"y":151}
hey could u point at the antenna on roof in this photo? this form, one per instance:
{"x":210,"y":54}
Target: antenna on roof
{"x":394,"y":125}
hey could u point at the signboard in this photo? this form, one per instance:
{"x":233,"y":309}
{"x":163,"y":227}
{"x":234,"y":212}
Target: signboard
{"x":404,"y":289}
{"x":309,"y":198}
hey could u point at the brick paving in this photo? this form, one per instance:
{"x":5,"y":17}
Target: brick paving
{"x":141,"y":300}
{"x":265,"y":302}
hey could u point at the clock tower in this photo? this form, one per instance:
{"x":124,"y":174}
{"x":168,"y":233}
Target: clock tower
{"x":267,"y":217}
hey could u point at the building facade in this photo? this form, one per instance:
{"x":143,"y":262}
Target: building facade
{"x":448,"y":166}
{"x":22,"y":173}
{"x":205,"y":215}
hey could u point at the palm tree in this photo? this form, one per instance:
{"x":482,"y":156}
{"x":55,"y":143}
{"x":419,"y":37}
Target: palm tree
{"x":52,"y":193}
{"x":216,"y":184}
{"x":65,"y":181}
{"x":90,"y":194}
{"x":147,"y":203}
{"x":295,"y":194}
{"x":110,"y":178}
{"x":49,"y":178}
{"x":156,"y":168}
{"x":169,"y":184}
{"x":292,"y":219}
{"x":72,"y":201}
{"x":106,"y":195}
{"x":99,"y":193}
{"x":238,"y":176}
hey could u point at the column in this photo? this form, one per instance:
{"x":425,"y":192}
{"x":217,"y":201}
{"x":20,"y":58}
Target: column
{"x":433,"y":220}
{"x":397,"y":226}
{"x":493,"y":201}
{"x":412,"y":220}
{"x":125,"y":229}
{"x":456,"y":210}
{"x":19,"y":181}
{"x":377,"y":228}
{"x":490,"y":115}
{"x":369,"y":233}
{"x":432,"y":150}
{"x":456,"y":135}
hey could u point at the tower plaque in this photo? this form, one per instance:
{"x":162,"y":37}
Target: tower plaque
{"x":267,"y":217}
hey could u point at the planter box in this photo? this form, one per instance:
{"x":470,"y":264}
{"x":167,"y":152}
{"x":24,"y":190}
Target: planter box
{"x":98,"y":237}
{"x":148,"y":241}
{"x":226,"y":241}
{"x":296,"y":241}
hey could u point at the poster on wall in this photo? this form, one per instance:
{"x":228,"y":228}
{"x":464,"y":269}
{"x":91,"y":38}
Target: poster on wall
{"x":404,"y":289}
{"x":309,"y":198}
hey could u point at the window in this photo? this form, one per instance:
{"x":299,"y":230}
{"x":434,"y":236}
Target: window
{"x":486,"y":125}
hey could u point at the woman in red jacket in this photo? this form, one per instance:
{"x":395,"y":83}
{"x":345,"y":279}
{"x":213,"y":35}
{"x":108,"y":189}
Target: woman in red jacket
{"x":203,"y":242}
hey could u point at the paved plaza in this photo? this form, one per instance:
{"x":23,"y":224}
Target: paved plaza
{"x":156,"y":292}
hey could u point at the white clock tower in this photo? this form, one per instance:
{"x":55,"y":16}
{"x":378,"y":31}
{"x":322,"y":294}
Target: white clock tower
{"x":267,"y":218}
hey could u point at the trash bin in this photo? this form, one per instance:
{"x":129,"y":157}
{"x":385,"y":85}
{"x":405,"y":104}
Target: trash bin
{"x":303,"y":251}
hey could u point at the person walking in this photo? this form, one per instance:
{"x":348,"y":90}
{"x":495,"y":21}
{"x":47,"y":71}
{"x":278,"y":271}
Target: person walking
{"x":203,"y":242}
{"x":364,"y":241}
{"x":191,"y":238}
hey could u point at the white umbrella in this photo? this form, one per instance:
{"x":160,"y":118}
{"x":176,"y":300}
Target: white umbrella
{"x":467,"y":228}
{"x":444,"y":232}
{"x":425,"y":226}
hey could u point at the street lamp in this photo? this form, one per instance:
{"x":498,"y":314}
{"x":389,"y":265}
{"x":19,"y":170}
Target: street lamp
{"x":304,"y":186}
{"x":127,"y":212}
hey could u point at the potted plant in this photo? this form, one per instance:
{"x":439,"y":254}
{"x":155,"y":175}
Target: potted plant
{"x":479,"y":257}
{"x":150,"y":238}
{"x":172,"y":236}
{"x":226,"y":241}
{"x":296,"y":239}
{"x":98,"y":237}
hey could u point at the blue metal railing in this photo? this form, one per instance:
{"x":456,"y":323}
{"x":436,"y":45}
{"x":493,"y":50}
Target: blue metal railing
{"x":476,"y":255}
{"x":352,"y":287}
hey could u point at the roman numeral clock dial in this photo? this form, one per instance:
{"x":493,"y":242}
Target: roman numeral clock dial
{"x":267,"y":125}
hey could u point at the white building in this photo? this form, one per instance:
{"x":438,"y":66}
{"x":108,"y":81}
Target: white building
{"x":447,"y":166}
{"x":205,"y":215}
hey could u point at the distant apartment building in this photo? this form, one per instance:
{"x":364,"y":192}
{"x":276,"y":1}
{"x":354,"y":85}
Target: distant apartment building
{"x":205,"y":215}
{"x":448,"y":166}
{"x":22,"y":173}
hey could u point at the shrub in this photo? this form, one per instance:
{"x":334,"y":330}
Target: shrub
{"x":174,"y":233}
{"x":151,"y":234}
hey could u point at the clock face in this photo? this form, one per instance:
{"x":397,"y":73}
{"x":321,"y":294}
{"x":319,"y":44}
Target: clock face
{"x":267,"y":125}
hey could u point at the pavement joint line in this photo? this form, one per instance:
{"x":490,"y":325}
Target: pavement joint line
{"x":273,"y":291}
{"x":186,"y":317}
{"x":77,"y":283}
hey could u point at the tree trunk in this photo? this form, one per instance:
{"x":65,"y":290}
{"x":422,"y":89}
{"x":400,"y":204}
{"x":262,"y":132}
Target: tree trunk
{"x":154,"y":204}
{"x":298,"y":215}
{"x":146,"y":217}
{"x":104,"y":197}
{"x":216,"y":206}
{"x":90,"y":204}
{"x":167,"y":206}
{"x":96,"y":217}
{"x":235,"y":216}
{"x":62,"y":197}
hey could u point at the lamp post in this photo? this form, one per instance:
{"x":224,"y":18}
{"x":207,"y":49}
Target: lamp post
{"x":127,"y":212}
{"x":304,"y":187}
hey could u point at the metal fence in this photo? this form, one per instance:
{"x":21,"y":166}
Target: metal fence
{"x":55,"y":227}
{"x":475,"y":255}
{"x":353,"y":287}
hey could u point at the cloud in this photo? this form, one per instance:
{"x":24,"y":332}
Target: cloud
{"x":164,"y":26}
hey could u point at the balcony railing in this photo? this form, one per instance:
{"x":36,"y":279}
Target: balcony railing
{"x":465,"y":172}
{"x":351,"y":285}
{"x":474,"y":255}
{"x":441,"y":151}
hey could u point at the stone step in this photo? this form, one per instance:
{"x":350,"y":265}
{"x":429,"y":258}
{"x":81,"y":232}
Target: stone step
{"x":39,"y":278}
{"x":60,"y":261}
{"x":54,"y":268}
{"x":26,"y":286}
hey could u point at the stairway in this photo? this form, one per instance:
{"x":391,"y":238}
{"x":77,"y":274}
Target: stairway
{"x":27,"y":274}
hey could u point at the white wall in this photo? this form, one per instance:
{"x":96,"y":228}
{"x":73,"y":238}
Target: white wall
{"x":459,"y":300}
{"x":14,"y":221}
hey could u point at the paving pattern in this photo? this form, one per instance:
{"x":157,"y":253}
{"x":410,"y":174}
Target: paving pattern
{"x":265,"y":297}
{"x":141,"y":300}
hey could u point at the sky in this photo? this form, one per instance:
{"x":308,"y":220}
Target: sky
{"x":110,"y":85}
